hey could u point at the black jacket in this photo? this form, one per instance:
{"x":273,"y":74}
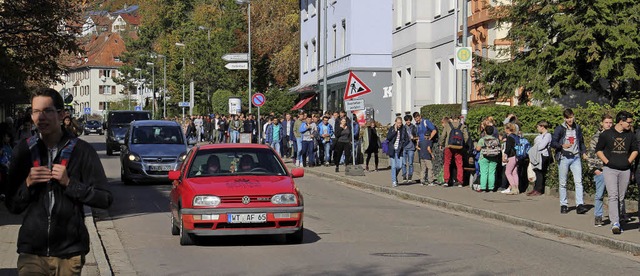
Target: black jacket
{"x":63,"y":233}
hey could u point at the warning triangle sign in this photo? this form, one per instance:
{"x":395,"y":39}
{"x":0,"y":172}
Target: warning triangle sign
{"x":355,"y":87}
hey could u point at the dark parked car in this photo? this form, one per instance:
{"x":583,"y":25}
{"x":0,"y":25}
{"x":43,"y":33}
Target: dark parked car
{"x":152,"y":148}
{"x":117,"y":125}
{"x":93,"y":126}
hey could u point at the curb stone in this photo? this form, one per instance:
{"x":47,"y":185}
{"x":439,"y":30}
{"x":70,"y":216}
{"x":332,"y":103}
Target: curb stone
{"x":97,"y":248}
{"x":630,"y":247}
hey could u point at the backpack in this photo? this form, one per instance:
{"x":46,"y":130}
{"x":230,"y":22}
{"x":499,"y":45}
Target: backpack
{"x":65,"y":153}
{"x":491,"y":147}
{"x":428,"y":123}
{"x":522,"y":147}
{"x":456,"y":137}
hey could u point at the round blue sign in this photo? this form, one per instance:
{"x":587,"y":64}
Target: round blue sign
{"x":258,"y":99}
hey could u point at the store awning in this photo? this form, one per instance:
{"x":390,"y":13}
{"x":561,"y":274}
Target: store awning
{"x":303,"y":102}
{"x":303,"y":88}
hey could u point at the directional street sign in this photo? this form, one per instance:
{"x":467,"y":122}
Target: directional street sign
{"x":183,"y":104}
{"x":138,"y":108}
{"x":355,"y":87}
{"x":258,"y":99}
{"x":237,"y":66}
{"x":354,"y":105}
{"x":236,"y":57}
{"x":87,"y":110}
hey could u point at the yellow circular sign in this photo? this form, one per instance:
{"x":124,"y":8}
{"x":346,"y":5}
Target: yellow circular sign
{"x":464,"y":54}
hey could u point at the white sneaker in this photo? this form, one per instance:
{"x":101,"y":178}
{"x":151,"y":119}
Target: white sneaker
{"x":506,"y":191}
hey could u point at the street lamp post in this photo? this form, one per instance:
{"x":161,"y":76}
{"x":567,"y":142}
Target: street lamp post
{"x":208,"y":84}
{"x":183,"y":76}
{"x":153,"y":89}
{"x":164,"y":89}
{"x":140,"y":81}
{"x":248,"y":2}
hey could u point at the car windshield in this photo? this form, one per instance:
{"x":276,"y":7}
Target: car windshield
{"x":93,"y":123}
{"x":156,"y":135}
{"x":126,"y":118}
{"x":236,"y":161}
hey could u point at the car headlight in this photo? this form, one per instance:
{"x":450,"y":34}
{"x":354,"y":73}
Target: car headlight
{"x":182,"y":157}
{"x":208,"y":201}
{"x":284,"y":199}
{"x":134,"y":157}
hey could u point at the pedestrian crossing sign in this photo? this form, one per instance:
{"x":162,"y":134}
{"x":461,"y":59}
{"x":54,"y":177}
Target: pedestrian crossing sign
{"x":355,"y":87}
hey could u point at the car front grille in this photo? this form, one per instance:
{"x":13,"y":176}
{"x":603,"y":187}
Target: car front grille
{"x":163,"y":160}
{"x":238,"y":199}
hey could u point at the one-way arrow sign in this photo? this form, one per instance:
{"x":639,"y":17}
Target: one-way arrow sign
{"x":355,"y":87}
{"x":237,"y":66}
{"x":236,"y":57}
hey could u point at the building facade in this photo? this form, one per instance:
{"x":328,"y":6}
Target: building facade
{"x":358,"y":40}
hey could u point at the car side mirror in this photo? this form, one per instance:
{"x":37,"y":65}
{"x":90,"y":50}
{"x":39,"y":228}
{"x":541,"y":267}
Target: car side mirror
{"x":174,"y":175}
{"x":297,"y":172}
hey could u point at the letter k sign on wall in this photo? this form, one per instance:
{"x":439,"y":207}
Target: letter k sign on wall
{"x":355,"y":87}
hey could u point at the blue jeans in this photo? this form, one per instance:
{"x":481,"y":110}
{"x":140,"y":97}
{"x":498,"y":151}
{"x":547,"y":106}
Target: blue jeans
{"x":327,"y":151}
{"x":234,"y":136}
{"x":575,"y":165}
{"x":307,"y":153}
{"x":599,"y":179}
{"x":299,"y":152}
{"x":396,"y":164}
{"x":276,"y":146}
{"x":407,"y":160}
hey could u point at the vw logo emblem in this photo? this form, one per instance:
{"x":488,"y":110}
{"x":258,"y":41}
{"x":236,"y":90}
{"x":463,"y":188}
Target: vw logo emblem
{"x":246,"y":200}
{"x":159,"y":160}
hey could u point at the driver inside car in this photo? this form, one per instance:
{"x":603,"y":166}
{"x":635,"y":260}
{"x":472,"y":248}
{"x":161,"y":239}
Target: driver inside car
{"x":246,"y":163}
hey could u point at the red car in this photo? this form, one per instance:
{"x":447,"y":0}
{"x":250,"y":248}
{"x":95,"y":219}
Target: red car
{"x":235,"y":189}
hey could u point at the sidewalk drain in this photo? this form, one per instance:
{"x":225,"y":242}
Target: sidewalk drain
{"x":400,"y":254}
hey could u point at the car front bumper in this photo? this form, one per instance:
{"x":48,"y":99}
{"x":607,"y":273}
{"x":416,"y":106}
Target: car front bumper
{"x":139,"y":171}
{"x":222,"y":227}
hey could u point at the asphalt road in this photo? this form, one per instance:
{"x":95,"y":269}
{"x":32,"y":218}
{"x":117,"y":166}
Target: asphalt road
{"x":348,"y":232}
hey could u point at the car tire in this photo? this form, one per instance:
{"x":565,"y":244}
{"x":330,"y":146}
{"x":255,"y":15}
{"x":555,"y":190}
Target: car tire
{"x":175,"y":230}
{"x":295,"y":237}
{"x":185,"y":238}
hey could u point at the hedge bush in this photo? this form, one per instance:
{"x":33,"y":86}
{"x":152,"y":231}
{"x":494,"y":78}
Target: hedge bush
{"x":588,"y":117}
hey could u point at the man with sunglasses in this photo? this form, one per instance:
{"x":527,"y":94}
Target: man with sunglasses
{"x":617,"y":148}
{"x":51,"y":177}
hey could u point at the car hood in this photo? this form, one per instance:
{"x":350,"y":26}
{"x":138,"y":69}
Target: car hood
{"x":157,"y":150}
{"x":241,"y":185}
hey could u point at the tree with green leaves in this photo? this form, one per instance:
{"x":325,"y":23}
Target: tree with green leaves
{"x":34,"y":35}
{"x":561,"y":46}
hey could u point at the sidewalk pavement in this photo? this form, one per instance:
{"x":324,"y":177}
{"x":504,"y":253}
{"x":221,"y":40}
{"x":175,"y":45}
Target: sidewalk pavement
{"x":96,"y":262}
{"x":541,"y":213}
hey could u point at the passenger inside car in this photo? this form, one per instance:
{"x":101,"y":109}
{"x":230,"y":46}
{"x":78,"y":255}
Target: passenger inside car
{"x":212,"y":165}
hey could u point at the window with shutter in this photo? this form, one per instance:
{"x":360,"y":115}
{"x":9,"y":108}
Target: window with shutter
{"x":113,"y":73}
{"x":101,"y":89}
{"x":101,"y":73}
{"x":113,"y":90}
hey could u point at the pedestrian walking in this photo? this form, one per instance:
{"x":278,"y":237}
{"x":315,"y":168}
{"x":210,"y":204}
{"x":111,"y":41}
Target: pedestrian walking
{"x":540,"y":157}
{"x":509,"y":157}
{"x":425,"y":153}
{"x":617,"y":148}
{"x":343,"y":143}
{"x":51,"y":177}
{"x":397,"y":138}
{"x":373,"y":146}
{"x":569,"y":144}
{"x":409,"y":149}
{"x":596,"y":167}
{"x":490,"y":154}
{"x":452,"y":140}
{"x":325,"y":131}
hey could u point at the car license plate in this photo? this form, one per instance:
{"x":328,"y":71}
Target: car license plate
{"x":246,"y":218}
{"x":93,"y":130}
{"x":160,"y":168}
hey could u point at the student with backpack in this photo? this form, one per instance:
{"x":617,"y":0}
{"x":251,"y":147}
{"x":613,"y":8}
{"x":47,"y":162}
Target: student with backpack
{"x":511,"y":169}
{"x":51,"y":177}
{"x":452,"y":140}
{"x":490,"y":154}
